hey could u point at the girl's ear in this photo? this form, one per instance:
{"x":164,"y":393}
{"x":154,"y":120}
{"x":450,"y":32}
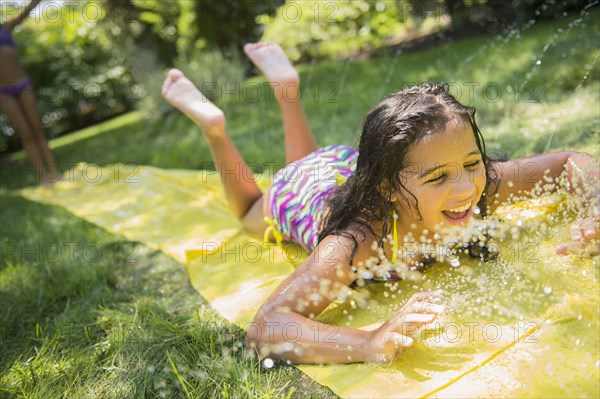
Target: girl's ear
{"x":386,"y":191}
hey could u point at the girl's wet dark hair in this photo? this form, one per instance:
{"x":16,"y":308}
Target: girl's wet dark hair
{"x":389,"y":131}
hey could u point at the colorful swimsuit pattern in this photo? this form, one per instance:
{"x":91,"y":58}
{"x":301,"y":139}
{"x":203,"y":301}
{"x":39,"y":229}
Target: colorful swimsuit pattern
{"x":298,"y":192}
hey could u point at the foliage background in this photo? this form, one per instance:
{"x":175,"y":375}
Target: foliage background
{"x":91,"y":60}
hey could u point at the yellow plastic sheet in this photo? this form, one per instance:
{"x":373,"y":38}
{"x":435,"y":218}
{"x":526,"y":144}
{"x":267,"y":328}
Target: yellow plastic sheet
{"x":527,"y":327}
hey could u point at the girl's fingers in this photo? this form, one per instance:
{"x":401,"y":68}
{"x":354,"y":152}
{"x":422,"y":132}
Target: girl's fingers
{"x":420,"y":318}
{"x":562,"y":249}
{"x":424,"y":302}
{"x":584,"y":228}
{"x":582,"y":232}
{"x":578,"y":248}
{"x":424,"y":307}
{"x":426,"y":296}
{"x":418,"y":311}
{"x":436,"y":309}
{"x":589,"y":228}
{"x":400,"y":340}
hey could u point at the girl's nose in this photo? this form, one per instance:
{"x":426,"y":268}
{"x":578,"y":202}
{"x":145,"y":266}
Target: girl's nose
{"x":464,"y":186}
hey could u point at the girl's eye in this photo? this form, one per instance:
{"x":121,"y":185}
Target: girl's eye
{"x":473,"y":165}
{"x":442,"y":176}
{"x":437,"y":179}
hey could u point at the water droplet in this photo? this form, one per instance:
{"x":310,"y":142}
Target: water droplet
{"x":288,"y":347}
{"x":268,"y":363}
{"x":547,"y":290}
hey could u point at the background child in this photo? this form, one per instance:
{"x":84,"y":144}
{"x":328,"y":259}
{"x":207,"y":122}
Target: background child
{"x":421,"y":170}
{"x":18,"y":101}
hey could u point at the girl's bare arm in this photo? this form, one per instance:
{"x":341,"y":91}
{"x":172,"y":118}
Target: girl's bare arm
{"x":284,"y":327}
{"x":521,"y":176}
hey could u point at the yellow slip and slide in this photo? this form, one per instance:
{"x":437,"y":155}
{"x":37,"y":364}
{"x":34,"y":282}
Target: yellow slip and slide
{"x":523,"y":326}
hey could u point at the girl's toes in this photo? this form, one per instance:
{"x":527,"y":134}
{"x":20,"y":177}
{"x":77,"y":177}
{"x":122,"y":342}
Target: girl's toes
{"x":174,"y":73}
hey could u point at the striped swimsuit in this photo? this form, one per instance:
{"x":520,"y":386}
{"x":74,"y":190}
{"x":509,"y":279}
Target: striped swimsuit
{"x":298,"y":192}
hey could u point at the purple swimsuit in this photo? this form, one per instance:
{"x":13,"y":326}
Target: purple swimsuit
{"x":11,"y":89}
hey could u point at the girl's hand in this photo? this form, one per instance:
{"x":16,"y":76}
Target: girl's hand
{"x":385,"y":343}
{"x":584,"y":236}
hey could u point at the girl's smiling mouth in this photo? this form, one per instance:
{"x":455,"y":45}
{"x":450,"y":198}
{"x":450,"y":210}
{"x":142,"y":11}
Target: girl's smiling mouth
{"x":459,"y":214}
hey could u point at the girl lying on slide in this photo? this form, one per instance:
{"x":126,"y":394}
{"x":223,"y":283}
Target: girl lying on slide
{"x":420,"y":170}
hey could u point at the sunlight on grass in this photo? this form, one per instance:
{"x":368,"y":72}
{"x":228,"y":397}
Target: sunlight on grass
{"x":123,"y":121}
{"x":108,"y":327}
{"x":112,"y":325}
{"x":126,"y":121}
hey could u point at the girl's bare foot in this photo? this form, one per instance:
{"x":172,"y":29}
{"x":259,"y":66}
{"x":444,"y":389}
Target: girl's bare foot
{"x":181,"y":93}
{"x":274,"y":64}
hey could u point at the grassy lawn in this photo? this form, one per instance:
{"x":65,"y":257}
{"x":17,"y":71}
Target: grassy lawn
{"x":88,"y":314}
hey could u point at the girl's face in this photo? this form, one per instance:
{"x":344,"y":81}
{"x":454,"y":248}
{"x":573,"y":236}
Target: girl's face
{"x":445,"y":173}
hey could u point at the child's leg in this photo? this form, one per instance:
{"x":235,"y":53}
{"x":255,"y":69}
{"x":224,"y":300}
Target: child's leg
{"x":285,"y":81}
{"x":241,"y":191}
{"x":29,"y":106}
{"x":15,"y":113}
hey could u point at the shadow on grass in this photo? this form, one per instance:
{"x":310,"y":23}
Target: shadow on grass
{"x":84,"y":311}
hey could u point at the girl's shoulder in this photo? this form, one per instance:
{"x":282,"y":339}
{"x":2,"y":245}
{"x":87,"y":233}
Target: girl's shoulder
{"x":354,"y":244}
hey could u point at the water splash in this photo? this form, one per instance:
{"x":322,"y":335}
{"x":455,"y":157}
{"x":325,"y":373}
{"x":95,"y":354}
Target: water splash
{"x":584,"y":16}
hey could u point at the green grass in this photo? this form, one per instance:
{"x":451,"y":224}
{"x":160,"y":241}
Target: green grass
{"x":87,"y":314}
{"x":121,"y":320}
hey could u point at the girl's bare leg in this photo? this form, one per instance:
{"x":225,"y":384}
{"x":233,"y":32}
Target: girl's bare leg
{"x":242,"y":193}
{"x":15,"y":113}
{"x":285,"y":81}
{"x":28,"y":105}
